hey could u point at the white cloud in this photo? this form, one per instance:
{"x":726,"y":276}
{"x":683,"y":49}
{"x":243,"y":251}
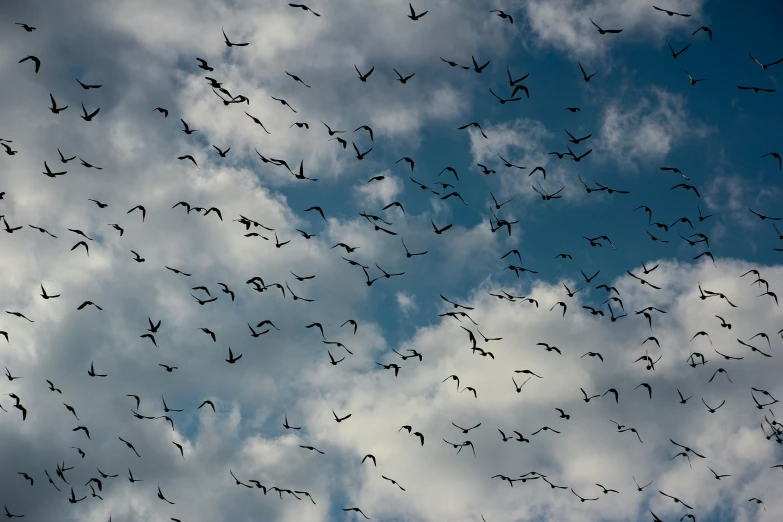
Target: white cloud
{"x":143,"y":54}
{"x":565,"y":24}
{"x":571,"y":458}
{"x":649,"y":129}
{"x":522,"y":143}
{"x":380,"y":192}
{"x":405,"y":302}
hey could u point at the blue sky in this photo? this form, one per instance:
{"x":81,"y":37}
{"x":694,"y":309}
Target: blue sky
{"x":642,"y":115}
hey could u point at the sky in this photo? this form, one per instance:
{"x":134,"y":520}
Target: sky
{"x":641,"y":114}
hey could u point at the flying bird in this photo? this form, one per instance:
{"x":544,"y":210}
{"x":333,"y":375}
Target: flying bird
{"x":230,"y":44}
{"x":304,"y":8}
{"x":35,"y":60}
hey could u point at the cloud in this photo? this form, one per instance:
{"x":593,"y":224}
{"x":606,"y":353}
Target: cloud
{"x":730,"y":197}
{"x":521,"y":142}
{"x":565,"y":24}
{"x":380,"y":192}
{"x":143,"y":54}
{"x":649,"y":129}
{"x":568,"y":457}
{"x":405,"y":302}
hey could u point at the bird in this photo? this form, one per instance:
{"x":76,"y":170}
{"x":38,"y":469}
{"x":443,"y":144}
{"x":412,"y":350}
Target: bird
{"x":754,"y":89}
{"x":717,"y":477}
{"x":503,"y":101}
{"x":511,"y":165}
{"x":476,"y":66}
{"x":54,"y":108}
{"x":160,"y":496}
{"x":91,"y":371}
{"x":472,"y":124}
{"x":47,"y":296}
{"x":204,"y":65}
{"x":453,"y":64}
{"x":605,"y":31}
{"x":649,"y":388}
{"x":142,"y":209}
{"x":304,"y":8}
{"x":466,"y":430}
{"x":363,"y":77}
{"x":671,"y":13}
{"x":683,"y":400}
{"x":48,"y":172}
{"x":357,"y":510}
{"x":606,"y":490}
{"x":407,"y":160}
{"x":413,"y":16}
{"x":638,"y":487}
{"x":231,"y":358}
{"x":777,"y":157}
{"x":763,"y":217}
{"x":403,"y":79}
{"x":87,"y":87}
{"x":705,"y":29}
{"x":582,"y":498}
{"x":35,"y":60}
{"x":676,"y":500}
{"x":298,"y":79}
{"x":340,"y":419}
{"x":221,"y":153}
{"x":713,"y":410}
{"x":574,"y":140}
{"x":317,"y":209}
{"x":585,"y":76}
{"x":693,"y":81}
{"x":210,"y":333}
{"x":440,"y":230}
{"x":258,"y":122}
{"x":84,"y":429}
{"x":678,"y":53}
{"x":131,"y":447}
{"x":764,"y":66}
{"x":360,"y":155}
{"x":202,"y":302}
{"x":594,"y":354}
{"x":393,"y":482}
{"x":230,"y":44}
{"x":503,"y":15}
{"x":89,"y":116}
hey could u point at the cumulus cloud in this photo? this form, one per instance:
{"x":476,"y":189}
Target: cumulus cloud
{"x":568,"y":457}
{"x":382,"y":191}
{"x":310,"y":332}
{"x":566,"y":26}
{"x":648,"y":129}
{"x":405,"y":302}
{"x":522,"y":142}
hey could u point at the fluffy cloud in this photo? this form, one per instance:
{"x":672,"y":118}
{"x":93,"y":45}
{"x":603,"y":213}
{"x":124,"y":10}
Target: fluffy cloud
{"x":570,"y":458}
{"x":566,"y":26}
{"x":649,"y":129}
{"x":405,"y":302}
{"x":144,"y":56}
{"x":522,"y":142}
{"x":382,"y":191}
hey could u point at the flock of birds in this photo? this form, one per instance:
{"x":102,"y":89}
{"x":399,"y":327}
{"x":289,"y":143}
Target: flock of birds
{"x":762,"y":399}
